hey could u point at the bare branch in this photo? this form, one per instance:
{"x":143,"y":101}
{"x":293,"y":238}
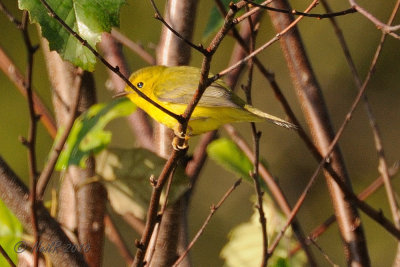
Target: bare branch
{"x":31,"y":142}
{"x":57,"y":148}
{"x":115,"y":237}
{"x":295,"y":12}
{"x":14,"y":74}
{"x":214,"y":208}
{"x":5,"y":255}
{"x":385,"y":28}
{"x":138,"y":49}
{"x":9,"y":16}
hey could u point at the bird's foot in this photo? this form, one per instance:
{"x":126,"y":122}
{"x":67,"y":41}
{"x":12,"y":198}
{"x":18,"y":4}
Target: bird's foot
{"x":179,"y":135}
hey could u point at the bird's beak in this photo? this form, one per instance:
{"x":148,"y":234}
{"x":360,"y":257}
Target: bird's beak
{"x":120,"y":94}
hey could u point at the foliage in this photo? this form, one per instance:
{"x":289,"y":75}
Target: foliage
{"x":88,"y":136}
{"x":10,"y":233}
{"x":226,"y":153}
{"x":87,"y":18}
{"x":245,"y":241}
{"x":126,"y":174}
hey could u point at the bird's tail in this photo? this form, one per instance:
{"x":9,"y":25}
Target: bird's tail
{"x":270,"y":118}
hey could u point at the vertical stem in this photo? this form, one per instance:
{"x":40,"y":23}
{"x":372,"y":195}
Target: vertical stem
{"x":31,"y":142}
{"x":172,"y":51}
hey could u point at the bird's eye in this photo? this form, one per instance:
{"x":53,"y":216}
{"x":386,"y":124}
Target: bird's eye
{"x":139,"y":84}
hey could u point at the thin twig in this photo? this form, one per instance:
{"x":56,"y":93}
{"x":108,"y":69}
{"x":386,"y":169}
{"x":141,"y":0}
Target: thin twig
{"x":267,"y":44}
{"x":250,"y":12}
{"x":115,"y":237}
{"x":298,"y":13}
{"x":157,"y":228}
{"x":375,"y":215}
{"x":385,"y":28}
{"x":323,"y":253}
{"x":158,"y":16}
{"x":138,"y":49}
{"x":9,"y":16}
{"x":57,"y":148}
{"x":5,"y":255}
{"x":372,"y":188}
{"x":31,"y":141}
{"x":14,"y":74}
{"x":213,"y":209}
{"x":256,"y":148}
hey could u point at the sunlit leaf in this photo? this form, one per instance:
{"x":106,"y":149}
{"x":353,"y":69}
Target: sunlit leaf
{"x":245,"y":242}
{"x":88,"y":136}
{"x":10,"y":233}
{"x":87,"y":18}
{"x":230,"y":156}
{"x":126,"y":174}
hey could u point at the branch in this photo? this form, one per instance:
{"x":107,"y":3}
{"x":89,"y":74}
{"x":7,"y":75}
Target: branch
{"x":57,"y":148}
{"x":31,"y":142}
{"x":14,"y":74}
{"x":5,"y":255}
{"x":267,"y":44}
{"x":158,"y":16}
{"x":9,"y":16}
{"x":385,"y":28}
{"x":176,"y":155}
{"x":115,"y":237}
{"x":138,"y":49}
{"x":375,"y":185}
{"x":15,"y":195}
{"x":256,"y":148}
{"x":214,"y":209}
{"x":295,"y":12}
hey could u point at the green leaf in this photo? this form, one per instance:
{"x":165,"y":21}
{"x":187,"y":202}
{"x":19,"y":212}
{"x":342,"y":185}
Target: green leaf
{"x":88,"y":136}
{"x":226,"y":153}
{"x":87,"y":18}
{"x":126,"y":175}
{"x":245,"y":241}
{"x":230,"y":156}
{"x":10,"y":233}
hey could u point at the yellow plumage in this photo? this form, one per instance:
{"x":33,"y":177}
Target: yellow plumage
{"x":174,"y":87}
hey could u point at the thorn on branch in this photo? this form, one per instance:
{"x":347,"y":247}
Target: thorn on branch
{"x":34,"y":48}
{"x":233,"y":6}
{"x":23,"y":141}
{"x":37,"y":117}
{"x":153,"y":181}
{"x":139,"y":244}
{"x":159,"y":217}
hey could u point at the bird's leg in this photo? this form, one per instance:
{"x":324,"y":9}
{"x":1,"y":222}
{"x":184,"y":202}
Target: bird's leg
{"x":180,"y":135}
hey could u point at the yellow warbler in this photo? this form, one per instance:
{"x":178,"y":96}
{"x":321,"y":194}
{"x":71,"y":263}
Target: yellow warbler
{"x":174,"y":87}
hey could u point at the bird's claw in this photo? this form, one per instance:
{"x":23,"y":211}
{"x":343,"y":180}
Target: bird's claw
{"x":175,"y":143}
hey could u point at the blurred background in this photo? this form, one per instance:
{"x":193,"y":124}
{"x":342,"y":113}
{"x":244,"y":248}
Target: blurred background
{"x":288,"y":158}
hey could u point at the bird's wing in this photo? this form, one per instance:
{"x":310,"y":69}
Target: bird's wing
{"x":181,"y":90}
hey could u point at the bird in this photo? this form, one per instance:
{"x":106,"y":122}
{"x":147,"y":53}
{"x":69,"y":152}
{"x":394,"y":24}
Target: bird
{"x":174,"y":87}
